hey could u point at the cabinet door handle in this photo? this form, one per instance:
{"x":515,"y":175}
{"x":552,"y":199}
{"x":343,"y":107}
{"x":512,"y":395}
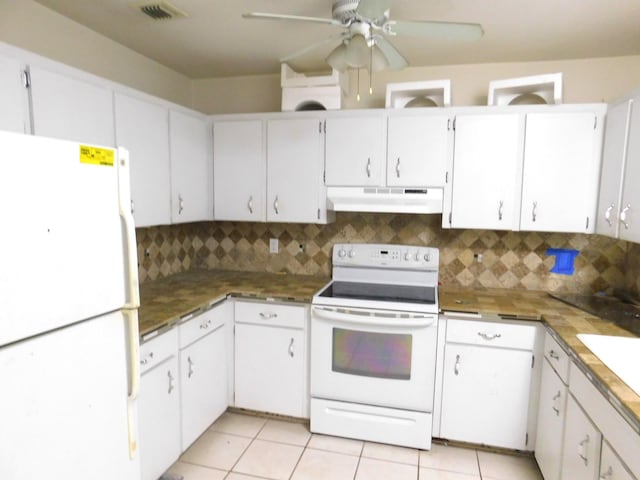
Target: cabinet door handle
{"x":171,"y":384}
{"x":582,"y":450}
{"x":534,"y":213}
{"x":250,"y":204}
{"x":398,"y":168}
{"x":275,"y":205}
{"x":488,"y":336}
{"x":555,"y":399}
{"x":456,"y":366}
{"x":268,"y":315}
{"x":180,"y":204}
{"x":133,"y":207}
{"x":500,"y":209}
{"x":291,"y":348}
{"x":190,"y":372}
{"x":554,"y":355}
{"x":607,"y":474}
{"x":623,"y":216}
{"x":146,"y":359}
{"x":369,"y":167}
{"x":607,"y":214}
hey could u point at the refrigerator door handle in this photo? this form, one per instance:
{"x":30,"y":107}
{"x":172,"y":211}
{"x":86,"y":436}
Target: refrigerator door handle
{"x":129,"y":231}
{"x":133,"y":372}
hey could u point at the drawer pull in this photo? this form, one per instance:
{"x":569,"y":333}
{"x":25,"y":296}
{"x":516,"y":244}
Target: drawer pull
{"x":582,"y":451}
{"x":607,"y":474}
{"x":205,"y":325}
{"x":555,"y":399}
{"x":268,"y":315}
{"x":147,"y":358}
{"x":554,"y":355}
{"x":171,"y":384}
{"x":488,"y":336}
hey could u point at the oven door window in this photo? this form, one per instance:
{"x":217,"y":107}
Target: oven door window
{"x":371,"y":354}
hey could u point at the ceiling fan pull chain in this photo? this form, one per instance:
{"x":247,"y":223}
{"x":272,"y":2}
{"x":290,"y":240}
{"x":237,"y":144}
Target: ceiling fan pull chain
{"x":358,"y":91}
{"x":371,"y":68}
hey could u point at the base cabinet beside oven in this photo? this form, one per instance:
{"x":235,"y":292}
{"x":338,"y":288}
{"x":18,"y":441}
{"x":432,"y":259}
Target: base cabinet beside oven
{"x":270,"y":358}
{"x":488,"y":382}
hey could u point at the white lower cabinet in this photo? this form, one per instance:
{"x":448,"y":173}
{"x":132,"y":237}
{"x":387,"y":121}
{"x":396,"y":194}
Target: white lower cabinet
{"x":581,"y":449}
{"x":159,"y":405}
{"x":611,"y":467}
{"x":203,"y":371}
{"x":487,"y":383}
{"x":270,"y":358}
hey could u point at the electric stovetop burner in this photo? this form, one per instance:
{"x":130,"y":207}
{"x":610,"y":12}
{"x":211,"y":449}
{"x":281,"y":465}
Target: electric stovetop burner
{"x":623,"y":313}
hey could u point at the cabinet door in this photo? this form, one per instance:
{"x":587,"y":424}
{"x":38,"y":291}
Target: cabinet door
{"x":143,"y":129}
{"x":355,"y":151}
{"x":14,"y":105}
{"x":486,"y":172}
{"x":417,"y":149}
{"x":294,"y":170}
{"x":270,"y":369}
{"x":551,"y":415}
{"x":239,"y":170}
{"x":630,"y":205}
{"x":613,"y":164}
{"x":70,"y":109}
{"x":581,"y":446}
{"x":560,"y":175}
{"x":191,"y":168}
{"x":485,"y":395}
{"x":159,"y":419}
{"x":611,"y":467}
{"x":203,"y":384}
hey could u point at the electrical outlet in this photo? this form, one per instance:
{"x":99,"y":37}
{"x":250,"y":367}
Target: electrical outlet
{"x":273,"y":245}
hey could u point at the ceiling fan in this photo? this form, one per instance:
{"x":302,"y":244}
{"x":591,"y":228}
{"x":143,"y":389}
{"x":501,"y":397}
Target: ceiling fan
{"x":365,"y":25}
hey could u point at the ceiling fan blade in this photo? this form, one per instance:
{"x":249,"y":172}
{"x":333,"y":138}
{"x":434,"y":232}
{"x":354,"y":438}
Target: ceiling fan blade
{"x":394,"y":57}
{"x":373,"y":9}
{"x":277,"y":16}
{"x":311,"y":47}
{"x":446,"y":30}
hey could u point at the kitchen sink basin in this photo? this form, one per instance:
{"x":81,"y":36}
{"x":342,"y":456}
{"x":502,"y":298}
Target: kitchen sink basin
{"x":620,"y":354}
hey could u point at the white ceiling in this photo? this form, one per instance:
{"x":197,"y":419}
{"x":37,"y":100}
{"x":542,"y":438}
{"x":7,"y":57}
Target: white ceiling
{"x":214,"y":41}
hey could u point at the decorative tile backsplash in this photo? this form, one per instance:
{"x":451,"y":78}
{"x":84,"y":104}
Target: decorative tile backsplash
{"x":509,"y":259}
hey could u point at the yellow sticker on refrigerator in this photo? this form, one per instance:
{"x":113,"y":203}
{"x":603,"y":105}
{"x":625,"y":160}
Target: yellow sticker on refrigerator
{"x":96,"y":155}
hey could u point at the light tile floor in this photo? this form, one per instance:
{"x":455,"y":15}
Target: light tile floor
{"x":244,"y":447}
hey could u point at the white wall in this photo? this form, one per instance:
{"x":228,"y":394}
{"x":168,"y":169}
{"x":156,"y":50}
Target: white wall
{"x":585,"y":81}
{"x":30,"y":26}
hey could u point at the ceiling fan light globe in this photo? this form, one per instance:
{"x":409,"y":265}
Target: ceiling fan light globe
{"x":357,"y":55}
{"x":337,"y":58}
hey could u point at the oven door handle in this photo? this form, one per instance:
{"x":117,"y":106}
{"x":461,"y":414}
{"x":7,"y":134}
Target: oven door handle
{"x":417,"y":320}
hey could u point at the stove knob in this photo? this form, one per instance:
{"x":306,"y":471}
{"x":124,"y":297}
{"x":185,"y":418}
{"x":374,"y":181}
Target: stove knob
{"x":427,"y":257}
{"x":352,"y":253}
{"x":407,"y":256}
{"x":342,"y":253}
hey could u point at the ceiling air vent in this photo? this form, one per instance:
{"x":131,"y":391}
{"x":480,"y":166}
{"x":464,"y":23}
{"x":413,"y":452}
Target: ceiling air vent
{"x":161,"y":11}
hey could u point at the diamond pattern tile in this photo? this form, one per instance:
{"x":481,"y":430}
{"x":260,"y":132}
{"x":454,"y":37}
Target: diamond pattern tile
{"x":510,"y":259}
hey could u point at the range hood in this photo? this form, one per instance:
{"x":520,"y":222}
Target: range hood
{"x":384,"y":199}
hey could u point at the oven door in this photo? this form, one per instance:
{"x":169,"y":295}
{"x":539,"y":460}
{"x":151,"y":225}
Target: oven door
{"x":374,"y":357}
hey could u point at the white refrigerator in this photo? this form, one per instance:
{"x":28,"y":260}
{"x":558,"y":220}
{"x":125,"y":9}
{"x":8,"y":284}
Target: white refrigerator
{"x":68,"y":312}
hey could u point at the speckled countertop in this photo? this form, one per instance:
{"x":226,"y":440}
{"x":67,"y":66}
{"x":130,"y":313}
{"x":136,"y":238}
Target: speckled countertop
{"x":165,"y":301}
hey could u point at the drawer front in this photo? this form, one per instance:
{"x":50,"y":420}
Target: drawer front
{"x":557,"y":357}
{"x":200,"y":325}
{"x":492,"y":334}
{"x":271,"y":314}
{"x":158,"y":349}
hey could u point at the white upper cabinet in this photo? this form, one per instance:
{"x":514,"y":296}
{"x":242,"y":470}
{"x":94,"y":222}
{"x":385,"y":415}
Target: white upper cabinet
{"x":14,"y":105}
{"x":355,"y":151}
{"x":70,"y":109}
{"x":239,"y":164}
{"x":561,"y":169}
{"x":619,"y":202}
{"x":483,"y":187}
{"x":143,"y":128}
{"x":191,"y":168}
{"x":417,"y":149}
{"x":294,"y":170}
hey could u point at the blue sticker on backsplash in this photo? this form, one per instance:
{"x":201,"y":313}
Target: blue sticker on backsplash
{"x":564,"y":260}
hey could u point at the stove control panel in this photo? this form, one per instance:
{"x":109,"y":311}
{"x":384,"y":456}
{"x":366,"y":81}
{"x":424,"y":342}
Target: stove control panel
{"x":385,"y":256}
